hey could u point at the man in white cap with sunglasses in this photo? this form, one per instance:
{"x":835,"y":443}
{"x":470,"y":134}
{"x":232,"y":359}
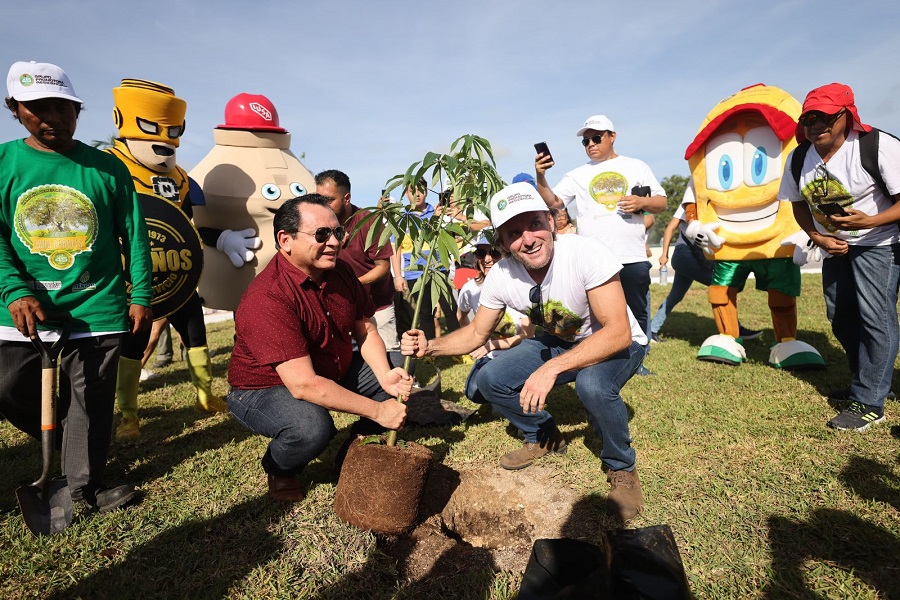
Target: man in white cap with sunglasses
{"x":63,"y":210}
{"x":590,"y":338}
{"x":608,"y":197}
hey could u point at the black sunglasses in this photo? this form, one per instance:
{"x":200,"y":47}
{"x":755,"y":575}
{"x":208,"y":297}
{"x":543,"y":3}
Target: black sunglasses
{"x":594,"y":138}
{"x":536,"y":314}
{"x":482,"y":253}
{"x":809,"y":119}
{"x":323,"y":233}
{"x":820,"y":183}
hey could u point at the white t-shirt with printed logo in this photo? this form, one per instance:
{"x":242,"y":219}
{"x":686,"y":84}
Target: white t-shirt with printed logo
{"x":843,"y":180}
{"x":579,"y":264}
{"x":595,"y":190}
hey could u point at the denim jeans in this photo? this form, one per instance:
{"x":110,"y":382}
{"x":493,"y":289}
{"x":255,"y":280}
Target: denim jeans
{"x":860,"y":290}
{"x":689,"y":267}
{"x":501,"y":379}
{"x":300,"y":430}
{"x":471,"y":386}
{"x":635,"y":278}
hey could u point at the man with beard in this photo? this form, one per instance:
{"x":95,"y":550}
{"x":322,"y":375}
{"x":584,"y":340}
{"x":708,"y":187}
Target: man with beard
{"x":590,"y":337}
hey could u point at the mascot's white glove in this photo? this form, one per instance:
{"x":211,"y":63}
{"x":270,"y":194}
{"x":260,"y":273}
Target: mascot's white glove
{"x":239,"y":246}
{"x":805,"y":250}
{"x":703,"y":235}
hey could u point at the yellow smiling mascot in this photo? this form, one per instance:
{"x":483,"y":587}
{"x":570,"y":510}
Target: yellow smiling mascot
{"x":736,"y":162}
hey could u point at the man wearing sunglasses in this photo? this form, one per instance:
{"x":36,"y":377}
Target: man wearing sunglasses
{"x":293,"y":357}
{"x":860,"y":279}
{"x":372,"y":265}
{"x":590,"y":338}
{"x":608,"y":197}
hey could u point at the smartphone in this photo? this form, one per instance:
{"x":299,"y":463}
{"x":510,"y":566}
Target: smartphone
{"x":643,"y":191}
{"x":833,"y":208}
{"x":541,"y":148}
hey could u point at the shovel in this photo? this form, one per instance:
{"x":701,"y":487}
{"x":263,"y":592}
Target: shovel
{"x":47,"y":504}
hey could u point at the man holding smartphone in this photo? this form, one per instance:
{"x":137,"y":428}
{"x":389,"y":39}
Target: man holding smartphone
{"x":608,"y":196}
{"x":860,"y":280}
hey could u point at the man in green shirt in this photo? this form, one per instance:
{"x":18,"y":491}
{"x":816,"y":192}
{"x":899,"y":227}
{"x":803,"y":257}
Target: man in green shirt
{"x":68,"y":214}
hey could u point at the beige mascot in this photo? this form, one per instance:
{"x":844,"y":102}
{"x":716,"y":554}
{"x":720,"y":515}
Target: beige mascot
{"x":245,"y":178}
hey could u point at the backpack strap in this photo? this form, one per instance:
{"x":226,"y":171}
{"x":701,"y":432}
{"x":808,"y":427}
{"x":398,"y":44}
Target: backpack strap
{"x":868,"y":155}
{"x":797,"y":159}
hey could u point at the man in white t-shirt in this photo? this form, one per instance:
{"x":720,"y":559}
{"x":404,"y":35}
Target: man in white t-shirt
{"x":590,"y":337}
{"x":861,"y":277}
{"x":608,"y":197}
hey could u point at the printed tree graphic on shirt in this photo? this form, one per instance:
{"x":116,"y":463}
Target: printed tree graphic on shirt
{"x":560,"y":321}
{"x":825,"y":190}
{"x":608,"y":188}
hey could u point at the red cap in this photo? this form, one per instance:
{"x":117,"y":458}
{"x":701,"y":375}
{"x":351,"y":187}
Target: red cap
{"x":253,"y":112}
{"x":830,"y":99}
{"x":775,"y":105}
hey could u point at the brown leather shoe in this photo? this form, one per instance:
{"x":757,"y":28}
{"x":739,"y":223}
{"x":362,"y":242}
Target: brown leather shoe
{"x":531,"y":451}
{"x":285,"y":489}
{"x":625,"y":499}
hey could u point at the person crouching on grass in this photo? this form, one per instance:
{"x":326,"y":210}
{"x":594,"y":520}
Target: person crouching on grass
{"x":590,"y":337}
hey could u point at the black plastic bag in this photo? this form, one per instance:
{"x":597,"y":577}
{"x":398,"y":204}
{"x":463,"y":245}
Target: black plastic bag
{"x":634,"y":563}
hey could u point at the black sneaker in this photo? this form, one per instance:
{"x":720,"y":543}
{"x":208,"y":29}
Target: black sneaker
{"x":749,"y":334}
{"x":858,"y":417}
{"x":655,"y":339}
{"x":108,"y":499}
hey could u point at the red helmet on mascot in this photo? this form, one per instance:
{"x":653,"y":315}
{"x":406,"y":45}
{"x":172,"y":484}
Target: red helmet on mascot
{"x":253,"y":112}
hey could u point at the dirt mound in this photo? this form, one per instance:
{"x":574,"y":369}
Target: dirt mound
{"x":489,"y":517}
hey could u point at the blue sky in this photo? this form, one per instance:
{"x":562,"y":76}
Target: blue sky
{"x":370,"y":87}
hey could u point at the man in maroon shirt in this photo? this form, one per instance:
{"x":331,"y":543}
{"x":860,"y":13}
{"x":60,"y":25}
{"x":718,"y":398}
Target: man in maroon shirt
{"x":293,"y":357}
{"x":372,"y":264}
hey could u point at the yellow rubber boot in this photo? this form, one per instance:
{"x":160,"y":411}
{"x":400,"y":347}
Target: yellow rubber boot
{"x":200,"y":368}
{"x":127,"y":382}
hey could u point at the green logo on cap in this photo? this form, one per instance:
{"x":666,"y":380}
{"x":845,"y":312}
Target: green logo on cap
{"x":26,"y":79}
{"x":502,"y":204}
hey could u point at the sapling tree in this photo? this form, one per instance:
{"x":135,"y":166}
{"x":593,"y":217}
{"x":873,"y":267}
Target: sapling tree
{"x":469,"y":172}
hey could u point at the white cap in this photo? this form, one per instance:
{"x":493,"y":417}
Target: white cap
{"x":513,"y":200}
{"x":34,"y":80}
{"x":597,"y":123}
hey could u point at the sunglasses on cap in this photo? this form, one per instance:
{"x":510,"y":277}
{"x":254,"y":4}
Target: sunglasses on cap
{"x":594,"y":138}
{"x":809,"y":119}
{"x":483,"y":252}
{"x":323,"y":233}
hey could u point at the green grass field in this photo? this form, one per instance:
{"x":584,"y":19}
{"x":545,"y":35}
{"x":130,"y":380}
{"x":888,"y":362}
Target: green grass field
{"x":764,"y":500}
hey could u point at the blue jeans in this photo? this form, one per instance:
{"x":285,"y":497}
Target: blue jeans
{"x":860,"y":290}
{"x":501,"y":379}
{"x":689,"y":267}
{"x":300,"y":430}
{"x":635,"y":279}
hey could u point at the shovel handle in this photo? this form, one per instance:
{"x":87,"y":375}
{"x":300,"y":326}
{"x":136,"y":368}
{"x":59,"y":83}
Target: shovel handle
{"x":50,"y":353}
{"x":49,"y":359}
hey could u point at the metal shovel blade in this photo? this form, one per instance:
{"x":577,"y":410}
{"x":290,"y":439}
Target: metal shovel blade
{"x":48,"y":510}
